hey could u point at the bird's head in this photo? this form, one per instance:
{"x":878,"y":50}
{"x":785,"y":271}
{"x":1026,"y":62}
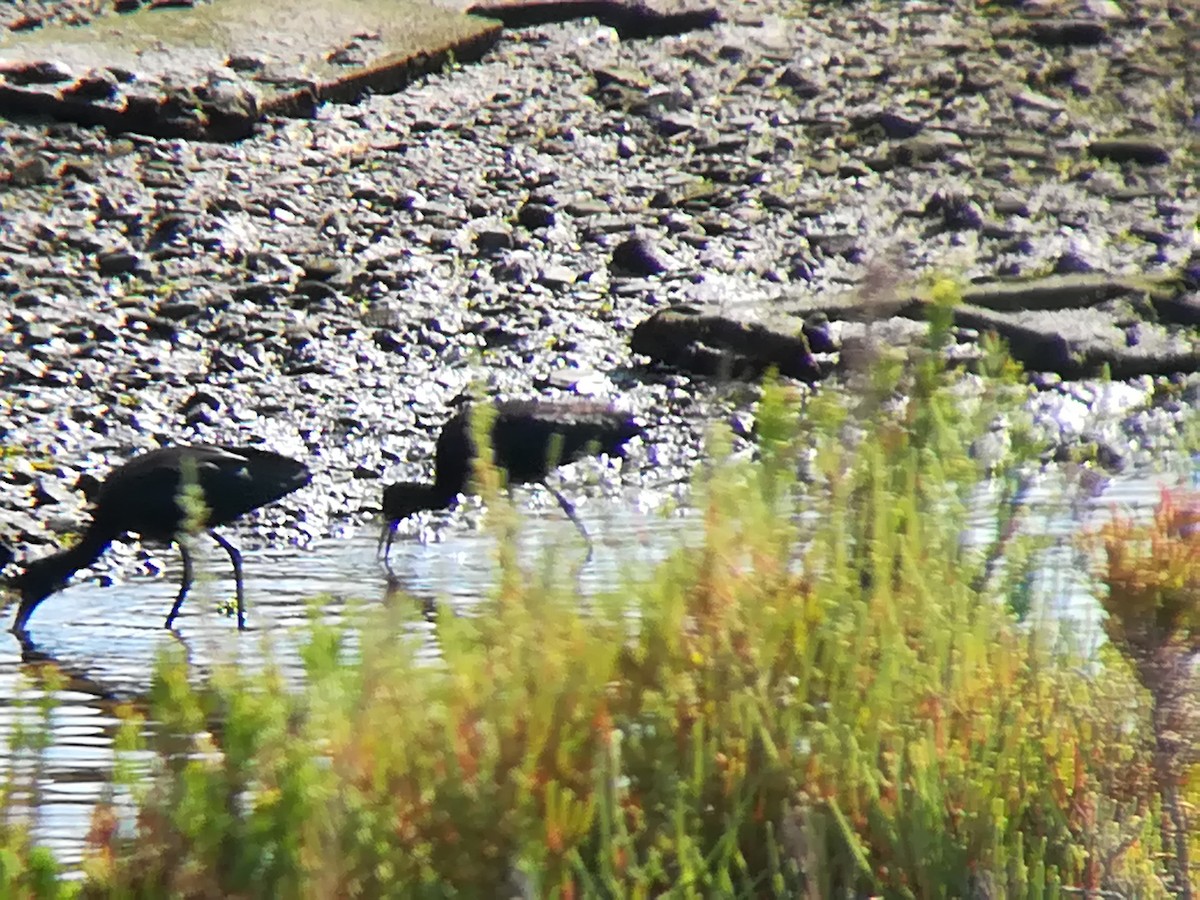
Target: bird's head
{"x":402,"y":499}
{"x":38,"y":580}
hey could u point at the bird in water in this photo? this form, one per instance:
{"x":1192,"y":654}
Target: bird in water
{"x":149,"y":495}
{"x":530,"y":438}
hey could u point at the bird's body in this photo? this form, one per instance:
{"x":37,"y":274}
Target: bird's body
{"x":143,"y":497}
{"x":530,"y":438}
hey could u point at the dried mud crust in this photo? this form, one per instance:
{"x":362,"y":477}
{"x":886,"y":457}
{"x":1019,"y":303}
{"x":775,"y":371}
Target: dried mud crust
{"x":331,"y":285}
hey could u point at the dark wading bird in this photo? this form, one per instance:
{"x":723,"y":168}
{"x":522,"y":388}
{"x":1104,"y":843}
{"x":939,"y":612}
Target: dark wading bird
{"x":143,"y":496}
{"x":530,"y":438}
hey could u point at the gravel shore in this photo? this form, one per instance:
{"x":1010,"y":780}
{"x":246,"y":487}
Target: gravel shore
{"x":331,"y":285}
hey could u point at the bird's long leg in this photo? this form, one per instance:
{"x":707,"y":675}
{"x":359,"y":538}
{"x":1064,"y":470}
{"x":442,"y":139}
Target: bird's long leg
{"x":569,"y":508}
{"x":185,"y":583}
{"x":235,"y":557}
{"x":383,"y":549}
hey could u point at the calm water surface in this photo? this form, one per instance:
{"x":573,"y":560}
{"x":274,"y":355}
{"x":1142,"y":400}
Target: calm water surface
{"x":105,"y":639}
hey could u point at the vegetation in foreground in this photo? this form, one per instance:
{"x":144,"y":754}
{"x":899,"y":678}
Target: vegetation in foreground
{"x":831,"y":694}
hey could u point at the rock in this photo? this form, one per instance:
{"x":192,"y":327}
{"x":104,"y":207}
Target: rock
{"x":49,"y":491}
{"x":672,"y":123}
{"x":583,"y":208}
{"x":1071,"y":263}
{"x":716,"y":344}
{"x":29,"y":171}
{"x":957,"y":211}
{"x":117,"y":262}
{"x":1055,"y":292}
{"x":97,"y":84}
{"x":637,"y":256}
{"x":800,"y":82}
{"x":1142,"y":151}
{"x":535,"y":216}
{"x":41,"y":71}
{"x":33,"y":333}
{"x":886,"y":124}
{"x":321,"y":268}
{"x":845,"y":245}
{"x":925,"y":148}
{"x":631,"y":19}
{"x":1011,"y":204}
{"x":491,"y":241}
{"x":79,"y":169}
{"x":556,"y":277}
{"x":166,"y":228}
{"x":231,"y":110}
{"x":1068,"y":32}
{"x":1077,"y":344}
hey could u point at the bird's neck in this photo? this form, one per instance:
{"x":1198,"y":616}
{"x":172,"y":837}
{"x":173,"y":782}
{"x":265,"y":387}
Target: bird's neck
{"x":84,"y":552}
{"x":42,"y":577}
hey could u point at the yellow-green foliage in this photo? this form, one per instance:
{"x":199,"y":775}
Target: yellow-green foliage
{"x":819,"y":698}
{"x":27,"y":871}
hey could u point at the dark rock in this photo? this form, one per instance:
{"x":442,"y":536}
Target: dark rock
{"x":713,"y":344}
{"x":958,"y":212}
{"x":98,"y":84}
{"x":671,"y":123}
{"x":844,"y":245}
{"x":1071,"y":263}
{"x":636,"y":256}
{"x":1143,"y":151}
{"x":26,"y":22}
{"x":257,"y":291}
{"x":42,"y":71}
{"x":165,"y":229}
{"x":926,"y":148}
{"x":884,"y":124}
{"x":631,"y":19}
{"x":1068,"y":32}
{"x":535,"y":215}
{"x":117,"y":262}
{"x":80,"y":169}
{"x":178,"y":310}
{"x":311,"y":293}
{"x":799,"y":82}
{"x":491,"y":241}
{"x":51,"y":492}
{"x":390,"y":342}
{"x":1083,"y":346}
{"x":1054,"y":292}
{"x":1151,"y":235}
{"x":1183,"y":309}
{"x":231,"y":110}
{"x":201,"y":408}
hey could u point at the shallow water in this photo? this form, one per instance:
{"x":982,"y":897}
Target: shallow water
{"x":105,"y":639}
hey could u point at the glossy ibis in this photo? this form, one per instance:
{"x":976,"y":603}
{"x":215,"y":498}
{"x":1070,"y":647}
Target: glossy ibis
{"x":144,"y":496}
{"x":530,"y":438}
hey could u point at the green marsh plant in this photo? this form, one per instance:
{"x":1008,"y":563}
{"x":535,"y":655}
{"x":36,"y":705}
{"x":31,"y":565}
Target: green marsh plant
{"x":820,"y":697}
